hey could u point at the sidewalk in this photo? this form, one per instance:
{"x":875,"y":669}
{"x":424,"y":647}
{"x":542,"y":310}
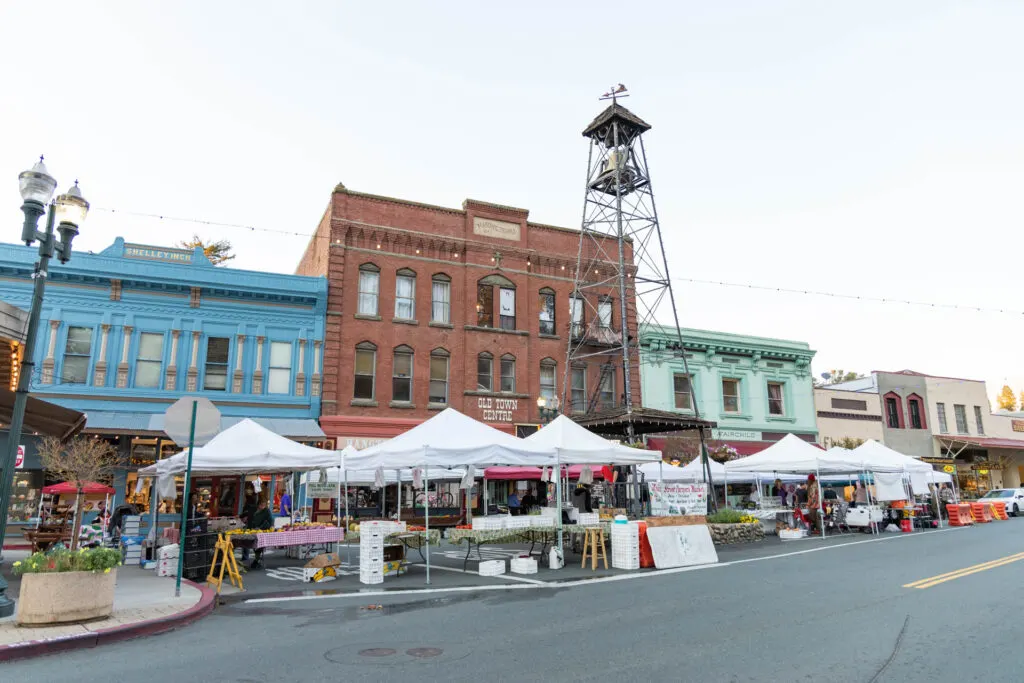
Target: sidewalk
{"x":144,"y":604}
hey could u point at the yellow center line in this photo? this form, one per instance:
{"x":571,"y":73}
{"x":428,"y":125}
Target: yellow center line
{"x":966,"y":571}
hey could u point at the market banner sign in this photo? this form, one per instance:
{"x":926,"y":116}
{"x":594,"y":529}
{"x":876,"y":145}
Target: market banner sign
{"x":323,"y":489}
{"x":678,"y":499}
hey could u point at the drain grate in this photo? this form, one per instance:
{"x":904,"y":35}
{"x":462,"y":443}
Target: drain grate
{"x":424,"y":652}
{"x":377,"y":652}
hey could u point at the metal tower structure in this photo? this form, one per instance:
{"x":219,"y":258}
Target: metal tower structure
{"x":621,"y":251}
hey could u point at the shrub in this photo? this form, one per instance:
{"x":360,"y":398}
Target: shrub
{"x":60,"y":559}
{"x":726,"y":516}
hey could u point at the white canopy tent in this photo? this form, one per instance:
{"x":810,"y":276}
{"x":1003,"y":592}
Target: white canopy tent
{"x":369,"y":477}
{"x":246,"y":448}
{"x":693,"y":471}
{"x":578,"y":445}
{"x":877,"y":457}
{"x":789,"y":454}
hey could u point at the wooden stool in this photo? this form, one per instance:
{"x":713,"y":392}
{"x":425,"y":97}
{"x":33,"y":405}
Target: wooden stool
{"x":593,"y":544}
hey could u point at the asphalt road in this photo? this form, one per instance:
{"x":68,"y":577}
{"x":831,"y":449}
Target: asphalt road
{"x":809,"y":612}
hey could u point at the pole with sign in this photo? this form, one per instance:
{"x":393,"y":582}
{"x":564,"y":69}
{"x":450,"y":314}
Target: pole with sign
{"x":199,"y":419}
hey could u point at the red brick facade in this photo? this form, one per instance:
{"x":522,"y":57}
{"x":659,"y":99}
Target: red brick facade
{"x":385,"y":236}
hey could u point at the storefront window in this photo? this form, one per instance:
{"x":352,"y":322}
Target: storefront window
{"x":25,"y":493}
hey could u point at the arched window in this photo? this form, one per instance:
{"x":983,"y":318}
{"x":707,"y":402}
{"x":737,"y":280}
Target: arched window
{"x":401,"y":375}
{"x":405,"y":294}
{"x":547,"y":311}
{"x":485,"y":372}
{"x":369,"y":289}
{"x":548,"y":379}
{"x":365,"y":371}
{"x":508,"y":373}
{"x":893,"y":410}
{"x":439,"y":367}
{"x":506,"y":302}
{"x":441,"y":299}
{"x":915,"y":406}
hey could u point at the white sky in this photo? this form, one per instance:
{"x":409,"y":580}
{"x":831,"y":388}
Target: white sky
{"x":869,"y":147}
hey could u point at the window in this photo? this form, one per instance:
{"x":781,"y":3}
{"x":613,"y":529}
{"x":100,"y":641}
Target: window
{"x":369,"y":288}
{"x":576,"y":307}
{"x":366,"y":368}
{"x":484,"y":305}
{"x":438,"y":376}
{"x":731,"y":395}
{"x":401,"y":375}
{"x":405,"y":295}
{"x":607,"y":393}
{"x":508,"y":374}
{"x":579,"y":389}
{"x":547,"y":379}
{"x":683,"y":392}
{"x":849,"y":404}
{"x":441,"y":299}
{"x":76,"y":355}
{"x":915,"y":414}
{"x":941,"y":409}
{"x":279,"y":375}
{"x":485,"y":372}
{"x":961,"y":419}
{"x":977,"y":421}
{"x":149,"y":360}
{"x":547,"y":311}
{"x":892,"y":412}
{"x":507,"y":310}
{"x":604,"y":313}
{"x":216,"y":377}
{"x":776,"y":402}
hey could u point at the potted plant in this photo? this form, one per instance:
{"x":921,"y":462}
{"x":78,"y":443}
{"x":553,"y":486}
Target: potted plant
{"x":63,"y":585}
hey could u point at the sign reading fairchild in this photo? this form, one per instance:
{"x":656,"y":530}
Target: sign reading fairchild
{"x":497,"y":409}
{"x":503,"y":230}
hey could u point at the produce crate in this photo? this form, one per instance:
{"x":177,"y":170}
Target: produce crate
{"x":523,"y":565}
{"x":588,"y":519}
{"x":492,"y":568}
{"x":493,"y":523}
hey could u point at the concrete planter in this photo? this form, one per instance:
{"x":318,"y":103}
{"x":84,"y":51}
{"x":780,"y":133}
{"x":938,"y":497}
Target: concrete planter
{"x":65,"y":597}
{"x":722,"y":534}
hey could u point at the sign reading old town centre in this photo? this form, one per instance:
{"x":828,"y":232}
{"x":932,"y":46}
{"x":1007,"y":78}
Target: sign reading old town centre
{"x":497,"y":409}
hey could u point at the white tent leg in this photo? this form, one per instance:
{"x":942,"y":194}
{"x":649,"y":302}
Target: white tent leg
{"x":426,"y":515}
{"x":398,"y":475}
{"x":821,"y":510}
{"x":348,"y":546}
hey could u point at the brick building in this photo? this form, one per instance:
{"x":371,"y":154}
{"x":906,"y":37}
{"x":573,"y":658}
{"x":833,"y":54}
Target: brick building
{"x":430,"y":307}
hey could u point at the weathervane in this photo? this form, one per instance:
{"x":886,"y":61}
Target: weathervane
{"x":614,"y":93}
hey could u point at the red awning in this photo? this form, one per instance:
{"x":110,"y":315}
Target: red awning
{"x":533,"y":473}
{"x":88,"y":488}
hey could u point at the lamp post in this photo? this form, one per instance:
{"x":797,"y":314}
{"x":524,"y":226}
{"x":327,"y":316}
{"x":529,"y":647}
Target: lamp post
{"x":548,"y":411}
{"x":68,"y":211}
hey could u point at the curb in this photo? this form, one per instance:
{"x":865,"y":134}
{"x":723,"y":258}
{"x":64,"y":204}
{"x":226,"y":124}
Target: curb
{"x":115,"y":634}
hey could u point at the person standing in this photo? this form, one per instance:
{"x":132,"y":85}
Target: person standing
{"x":514,"y":507}
{"x":261,"y":519}
{"x":286,"y":505}
{"x":814,"y":504}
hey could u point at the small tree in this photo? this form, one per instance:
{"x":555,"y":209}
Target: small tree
{"x":78,"y":461}
{"x":1006,"y":399}
{"x":218,"y":252}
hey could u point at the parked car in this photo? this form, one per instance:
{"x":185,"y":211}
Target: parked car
{"x":1014,"y":499}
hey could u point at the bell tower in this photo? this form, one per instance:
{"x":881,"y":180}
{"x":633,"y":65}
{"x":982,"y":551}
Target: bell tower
{"x":620,"y":249}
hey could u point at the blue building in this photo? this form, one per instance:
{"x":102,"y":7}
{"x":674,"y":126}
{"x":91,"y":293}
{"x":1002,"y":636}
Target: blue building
{"x":129,"y":330}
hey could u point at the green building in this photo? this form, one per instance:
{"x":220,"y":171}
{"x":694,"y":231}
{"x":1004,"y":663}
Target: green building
{"x":756,"y":389}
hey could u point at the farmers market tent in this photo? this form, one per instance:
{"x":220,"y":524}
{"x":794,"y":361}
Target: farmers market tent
{"x":246,"y":448}
{"x":580,"y":446}
{"x":789,"y":454}
{"x":451,"y":439}
{"x":89,"y":488}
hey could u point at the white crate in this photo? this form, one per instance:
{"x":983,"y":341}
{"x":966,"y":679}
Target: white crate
{"x":492,"y":567}
{"x":551,"y":513}
{"x":625,"y":563}
{"x":541,"y":521}
{"x":517,"y":523}
{"x":588,"y":519}
{"x":371,"y":579}
{"x":167,"y":552}
{"x":492,"y":523}
{"x":523,"y":565}
{"x":371,"y":543}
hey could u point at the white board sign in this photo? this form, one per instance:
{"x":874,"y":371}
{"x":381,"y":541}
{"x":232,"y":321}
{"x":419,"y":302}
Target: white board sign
{"x":321,"y":490}
{"x":681,"y":546}
{"x":507,"y":302}
{"x":669,"y":498}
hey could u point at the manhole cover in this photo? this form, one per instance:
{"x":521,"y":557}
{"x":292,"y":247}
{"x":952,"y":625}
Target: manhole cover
{"x":424,"y":652}
{"x":378,"y":652}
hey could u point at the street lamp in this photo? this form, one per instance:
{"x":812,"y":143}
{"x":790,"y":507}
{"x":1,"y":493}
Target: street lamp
{"x":548,"y":409}
{"x":68,"y":211}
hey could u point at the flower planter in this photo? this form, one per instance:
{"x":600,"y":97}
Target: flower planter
{"x":63,"y":597}
{"x":722,"y":534}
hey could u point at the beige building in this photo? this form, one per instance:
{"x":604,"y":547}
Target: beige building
{"x":846,"y":417}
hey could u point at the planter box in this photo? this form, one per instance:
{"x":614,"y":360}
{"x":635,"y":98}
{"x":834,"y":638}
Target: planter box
{"x":65,"y":597}
{"x":723,"y":534}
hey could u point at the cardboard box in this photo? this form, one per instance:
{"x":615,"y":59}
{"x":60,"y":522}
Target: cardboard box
{"x":324,"y":560}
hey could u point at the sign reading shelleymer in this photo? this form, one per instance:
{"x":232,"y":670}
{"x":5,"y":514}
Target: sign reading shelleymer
{"x":143,"y":251}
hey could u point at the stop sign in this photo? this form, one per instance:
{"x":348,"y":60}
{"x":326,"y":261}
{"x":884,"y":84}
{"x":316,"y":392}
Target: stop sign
{"x":178,"y":420}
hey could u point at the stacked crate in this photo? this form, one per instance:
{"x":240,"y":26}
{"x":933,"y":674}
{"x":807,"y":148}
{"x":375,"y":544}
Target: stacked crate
{"x":626,"y":546}
{"x":371,"y":552}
